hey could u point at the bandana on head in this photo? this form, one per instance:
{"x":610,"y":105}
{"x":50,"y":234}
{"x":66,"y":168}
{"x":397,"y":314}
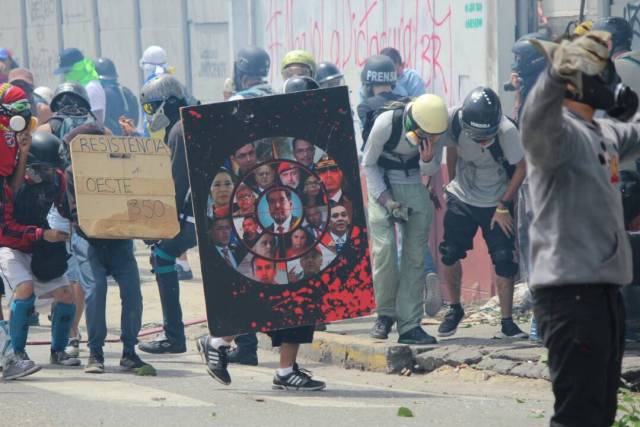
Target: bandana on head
{"x":9,"y":94}
{"x":82,"y":72}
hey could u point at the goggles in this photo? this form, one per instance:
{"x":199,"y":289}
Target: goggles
{"x":151,"y":107}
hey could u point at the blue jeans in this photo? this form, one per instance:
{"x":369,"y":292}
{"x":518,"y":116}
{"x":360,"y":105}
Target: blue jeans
{"x":429,"y":263}
{"x":167,"y":278}
{"x":95,"y":262}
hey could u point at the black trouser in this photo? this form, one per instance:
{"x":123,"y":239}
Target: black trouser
{"x":583,"y":328}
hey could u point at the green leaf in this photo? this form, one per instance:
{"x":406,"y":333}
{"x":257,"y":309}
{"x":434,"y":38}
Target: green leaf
{"x":520,"y":400}
{"x":146,"y":371}
{"x":404,"y":412}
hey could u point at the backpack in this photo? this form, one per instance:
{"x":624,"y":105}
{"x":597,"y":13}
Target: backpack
{"x":63,"y":124}
{"x":397,"y":107}
{"x":495,"y":149}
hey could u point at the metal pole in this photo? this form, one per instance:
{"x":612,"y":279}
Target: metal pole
{"x":138,"y":40}
{"x":581,"y":16}
{"x":59,"y":23}
{"x":25,"y":33}
{"x":186,"y":39}
{"x":96,"y":28}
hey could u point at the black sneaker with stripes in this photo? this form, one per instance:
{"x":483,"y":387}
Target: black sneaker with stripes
{"x":299,"y":379}
{"x":216,"y":360}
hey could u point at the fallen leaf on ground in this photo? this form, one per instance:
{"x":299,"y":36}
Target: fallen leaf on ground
{"x":404,"y":412}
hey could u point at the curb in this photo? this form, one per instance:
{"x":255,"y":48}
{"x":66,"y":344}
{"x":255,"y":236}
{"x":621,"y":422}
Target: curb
{"x":352,"y":352}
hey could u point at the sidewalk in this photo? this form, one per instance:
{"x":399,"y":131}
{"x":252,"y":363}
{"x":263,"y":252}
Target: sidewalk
{"x":347,"y":343}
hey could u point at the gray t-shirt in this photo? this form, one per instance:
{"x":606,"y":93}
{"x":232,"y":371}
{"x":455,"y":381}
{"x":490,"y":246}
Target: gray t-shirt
{"x":481,"y":181}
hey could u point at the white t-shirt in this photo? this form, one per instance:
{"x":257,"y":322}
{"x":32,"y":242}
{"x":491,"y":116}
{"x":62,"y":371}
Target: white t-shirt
{"x":481,"y":181}
{"x":97,"y":99}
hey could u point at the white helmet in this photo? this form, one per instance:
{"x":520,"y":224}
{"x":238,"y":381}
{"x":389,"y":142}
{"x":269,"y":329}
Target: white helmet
{"x":44,"y":93}
{"x":429,"y":113}
{"x":154,"y":61}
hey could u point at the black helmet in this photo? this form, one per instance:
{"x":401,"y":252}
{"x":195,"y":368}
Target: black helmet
{"x":106,"y":69}
{"x":70,"y":90}
{"x":481,"y":114}
{"x":379,"y":70}
{"x":529,"y":61}
{"x":253,"y":61}
{"x":621,"y":32}
{"x":45,"y":149}
{"x":299,"y":83}
{"x":327,"y":73}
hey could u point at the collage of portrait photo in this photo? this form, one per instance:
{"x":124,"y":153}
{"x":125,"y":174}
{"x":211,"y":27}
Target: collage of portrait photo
{"x":278,"y":210}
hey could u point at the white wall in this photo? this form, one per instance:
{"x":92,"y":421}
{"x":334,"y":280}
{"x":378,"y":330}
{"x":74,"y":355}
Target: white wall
{"x":195,"y":34}
{"x":452,"y":43}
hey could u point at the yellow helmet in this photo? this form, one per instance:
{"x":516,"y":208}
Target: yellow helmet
{"x":301,"y":57}
{"x":429,"y":113}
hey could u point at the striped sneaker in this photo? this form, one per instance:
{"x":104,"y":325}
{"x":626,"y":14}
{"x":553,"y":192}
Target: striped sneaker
{"x":298,"y":380}
{"x":215,"y":359}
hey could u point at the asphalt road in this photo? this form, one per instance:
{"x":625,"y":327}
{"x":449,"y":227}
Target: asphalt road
{"x":183,"y":394}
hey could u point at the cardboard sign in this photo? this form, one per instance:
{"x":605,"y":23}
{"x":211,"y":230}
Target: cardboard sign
{"x":124,"y":187}
{"x":279,"y":211}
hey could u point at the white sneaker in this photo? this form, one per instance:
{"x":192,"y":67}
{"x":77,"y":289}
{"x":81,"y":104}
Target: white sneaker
{"x":15,"y":368}
{"x":432,"y":295}
{"x":73,"y":347}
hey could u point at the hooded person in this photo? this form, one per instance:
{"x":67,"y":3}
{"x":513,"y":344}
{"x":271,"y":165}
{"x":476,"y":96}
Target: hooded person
{"x":76,"y":68}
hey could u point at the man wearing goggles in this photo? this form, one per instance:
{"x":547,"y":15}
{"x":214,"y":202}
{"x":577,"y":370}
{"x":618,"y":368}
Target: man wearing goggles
{"x":400,"y":148}
{"x":485,"y":161}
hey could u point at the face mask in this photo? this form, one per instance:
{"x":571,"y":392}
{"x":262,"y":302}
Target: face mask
{"x":159,"y":120}
{"x":606,"y":92}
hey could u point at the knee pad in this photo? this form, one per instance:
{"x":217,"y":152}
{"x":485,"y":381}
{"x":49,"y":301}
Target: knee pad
{"x":61,"y":321}
{"x":162,"y":262}
{"x":21,"y":309}
{"x":451,"y":253}
{"x":504,"y":262}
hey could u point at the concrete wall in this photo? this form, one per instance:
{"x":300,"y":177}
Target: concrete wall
{"x":452,"y":43}
{"x":195,"y":34}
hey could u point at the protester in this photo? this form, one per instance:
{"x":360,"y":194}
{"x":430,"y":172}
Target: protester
{"x":75,"y":68}
{"x":621,"y":34}
{"x":7,"y":63}
{"x":297,"y":63}
{"x":154,"y":63}
{"x":161,"y":99}
{"x":485,"y":163}
{"x":249,"y":71}
{"x":576,"y":276}
{"x":329,"y":75}
{"x":33,"y":260}
{"x":409,"y":81}
{"x":15,"y":142}
{"x":97,"y":259}
{"x":529,"y":64}
{"x":398,"y":150}
{"x":213,"y":349}
{"x":121,"y":102}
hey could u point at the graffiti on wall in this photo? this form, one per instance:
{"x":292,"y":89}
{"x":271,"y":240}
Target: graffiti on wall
{"x":358,"y":29}
{"x":631,"y":12}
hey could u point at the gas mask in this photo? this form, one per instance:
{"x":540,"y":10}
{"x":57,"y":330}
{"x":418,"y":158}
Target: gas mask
{"x":414,"y":134}
{"x":39,"y":173}
{"x":606,"y":92}
{"x":19,"y":113}
{"x":158,"y":120}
